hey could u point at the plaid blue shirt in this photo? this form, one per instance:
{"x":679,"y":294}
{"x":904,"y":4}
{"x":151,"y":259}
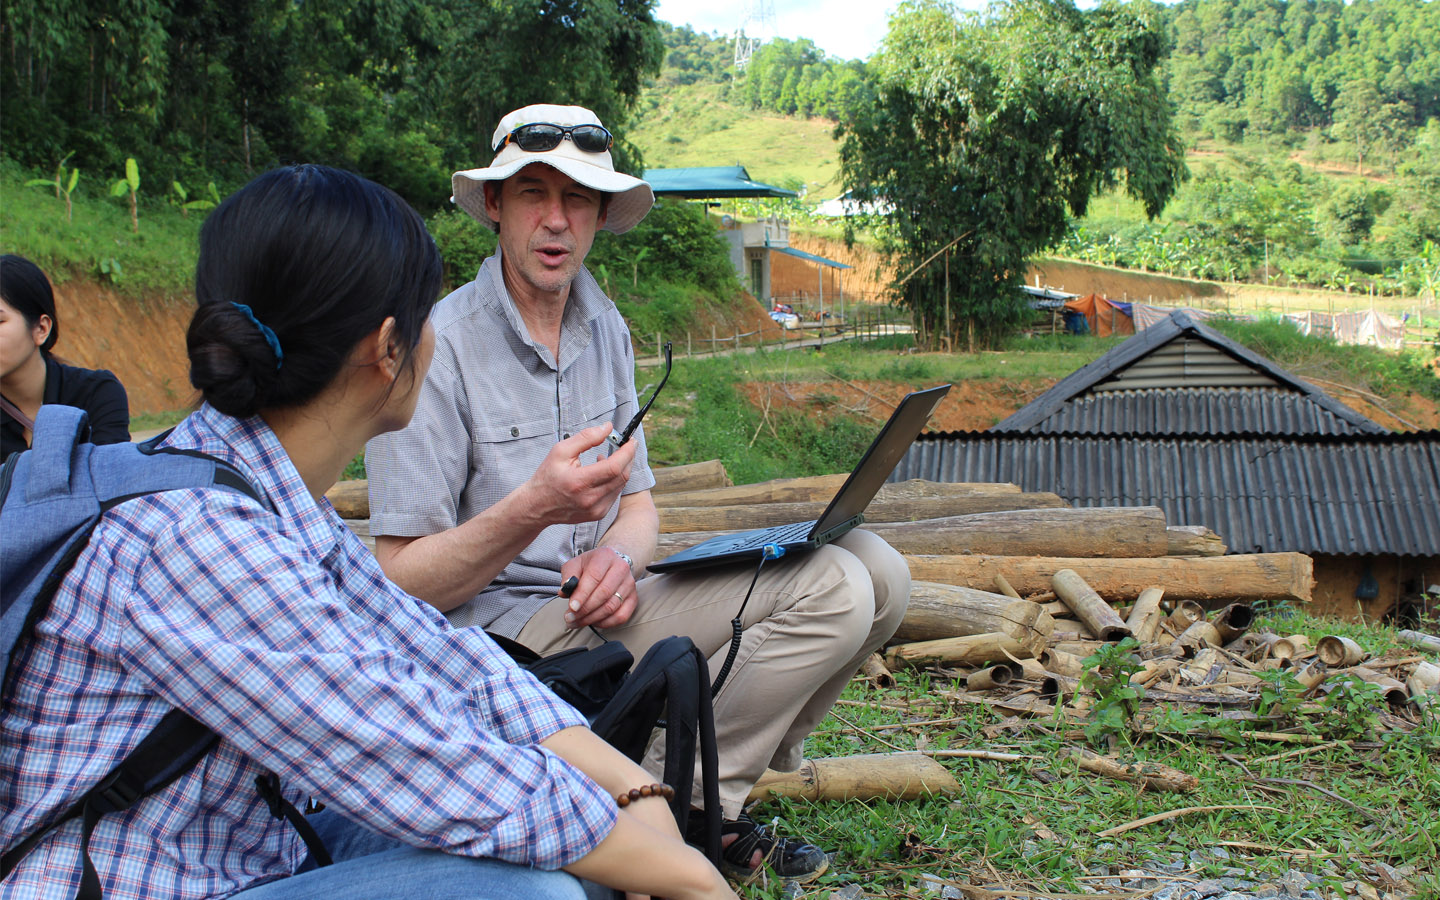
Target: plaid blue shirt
{"x":279,"y":631}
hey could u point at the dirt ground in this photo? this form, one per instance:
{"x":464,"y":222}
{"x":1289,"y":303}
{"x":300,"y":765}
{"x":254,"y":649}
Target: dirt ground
{"x":970,"y":405}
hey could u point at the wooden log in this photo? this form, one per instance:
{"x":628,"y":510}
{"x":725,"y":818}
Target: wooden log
{"x":873,"y":776}
{"x":1088,"y":606}
{"x":682,"y":519}
{"x":1424,"y":679}
{"x":1420,"y":639}
{"x":820,"y":488}
{"x":1145,"y":615}
{"x":1154,"y":776}
{"x":971,"y":650}
{"x":1091,"y":532}
{"x":1194,"y":540}
{"x":942,"y":611}
{"x":1270,"y":577}
{"x":1233,"y":621}
{"x":1339,"y":652}
{"x":693,"y":477}
{"x":350,"y":498}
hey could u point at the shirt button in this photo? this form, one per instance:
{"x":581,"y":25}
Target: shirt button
{"x":514,"y":431}
{"x":565,"y":436}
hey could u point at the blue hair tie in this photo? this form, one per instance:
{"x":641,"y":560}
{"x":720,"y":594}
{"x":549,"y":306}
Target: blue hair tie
{"x":265,"y":331}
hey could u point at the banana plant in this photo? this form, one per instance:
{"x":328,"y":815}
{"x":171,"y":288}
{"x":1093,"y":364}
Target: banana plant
{"x":64,"y":183}
{"x":186,"y":204}
{"x":131,"y":184}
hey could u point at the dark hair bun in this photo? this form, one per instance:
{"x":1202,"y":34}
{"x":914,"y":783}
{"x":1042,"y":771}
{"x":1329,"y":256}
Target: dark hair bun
{"x":230,"y":362}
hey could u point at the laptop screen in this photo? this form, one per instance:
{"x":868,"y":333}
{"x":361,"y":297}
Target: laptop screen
{"x":880,"y":460}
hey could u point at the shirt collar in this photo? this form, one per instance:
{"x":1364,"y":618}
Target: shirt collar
{"x":585,"y":304}
{"x":252,"y":447}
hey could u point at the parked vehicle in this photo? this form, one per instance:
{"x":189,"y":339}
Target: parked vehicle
{"x":784,"y":314}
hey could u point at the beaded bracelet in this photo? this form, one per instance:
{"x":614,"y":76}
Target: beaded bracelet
{"x":658,"y":789}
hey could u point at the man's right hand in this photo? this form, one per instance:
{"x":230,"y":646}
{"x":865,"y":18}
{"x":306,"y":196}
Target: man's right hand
{"x":564,"y":490}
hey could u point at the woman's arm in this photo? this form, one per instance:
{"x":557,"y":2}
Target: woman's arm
{"x":644,"y":853}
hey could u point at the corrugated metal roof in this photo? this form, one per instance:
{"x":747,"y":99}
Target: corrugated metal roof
{"x":1195,"y":411}
{"x":1160,"y":357}
{"x":808,"y":257}
{"x":1353,"y":494}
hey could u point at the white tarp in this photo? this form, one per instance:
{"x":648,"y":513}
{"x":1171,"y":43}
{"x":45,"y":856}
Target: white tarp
{"x":1365,"y":326}
{"x":1146,"y":315}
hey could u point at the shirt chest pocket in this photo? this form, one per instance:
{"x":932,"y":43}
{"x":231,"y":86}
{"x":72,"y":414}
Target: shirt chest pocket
{"x":615,"y":409}
{"x":505,"y":454}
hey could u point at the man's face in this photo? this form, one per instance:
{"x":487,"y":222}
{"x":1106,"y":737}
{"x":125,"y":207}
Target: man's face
{"x":547,"y":225}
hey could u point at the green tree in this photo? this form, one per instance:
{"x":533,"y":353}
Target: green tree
{"x":988,"y":127}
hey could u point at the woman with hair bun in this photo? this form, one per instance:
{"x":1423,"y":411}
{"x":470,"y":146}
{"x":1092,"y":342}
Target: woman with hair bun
{"x":30,"y":377}
{"x":445,"y":771}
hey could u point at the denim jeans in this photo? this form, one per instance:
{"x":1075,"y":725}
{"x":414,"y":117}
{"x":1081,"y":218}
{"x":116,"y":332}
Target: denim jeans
{"x":368,"y":866}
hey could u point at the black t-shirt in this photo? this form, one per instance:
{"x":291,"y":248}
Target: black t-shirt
{"x":97,"y":391}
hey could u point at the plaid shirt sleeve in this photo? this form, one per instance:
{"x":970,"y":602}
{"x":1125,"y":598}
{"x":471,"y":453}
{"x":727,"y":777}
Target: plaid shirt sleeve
{"x":231,"y":621}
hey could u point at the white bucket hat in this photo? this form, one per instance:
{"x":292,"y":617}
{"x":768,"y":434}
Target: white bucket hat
{"x":630,"y":197}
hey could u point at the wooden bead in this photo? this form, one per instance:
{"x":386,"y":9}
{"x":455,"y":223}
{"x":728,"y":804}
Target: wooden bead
{"x":658,"y":789}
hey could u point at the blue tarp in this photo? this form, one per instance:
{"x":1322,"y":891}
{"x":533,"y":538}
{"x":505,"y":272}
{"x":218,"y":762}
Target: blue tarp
{"x":710,"y":182}
{"x":810,"y":257}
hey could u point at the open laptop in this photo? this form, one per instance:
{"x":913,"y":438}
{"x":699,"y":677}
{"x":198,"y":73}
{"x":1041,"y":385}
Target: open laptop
{"x":845,"y":510}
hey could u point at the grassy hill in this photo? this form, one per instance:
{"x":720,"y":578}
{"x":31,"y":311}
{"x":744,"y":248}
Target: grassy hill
{"x":690,"y":125}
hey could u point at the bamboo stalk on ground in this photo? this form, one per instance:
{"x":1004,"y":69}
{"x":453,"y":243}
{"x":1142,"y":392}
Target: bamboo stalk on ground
{"x":1088,"y":606}
{"x":1061,"y":663}
{"x":1185,"y":614}
{"x":1145,"y":615}
{"x":987,"y":678}
{"x":875,"y":776}
{"x":1233,"y":621}
{"x":1424,"y":679}
{"x":1292,"y":647}
{"x":942,"y":611}
{"x":970,"y":650}
{"x":874,"y":669}
{"x":1339,"y":652}
{"x":1154,"y":776}
{"x":1395,"y":693}
{"x":1420,"y":639}
{"x":1199,"y":634}
{"x":1004,"y":587}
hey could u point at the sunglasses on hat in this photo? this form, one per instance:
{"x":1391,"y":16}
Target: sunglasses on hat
{"x":538,"y":137}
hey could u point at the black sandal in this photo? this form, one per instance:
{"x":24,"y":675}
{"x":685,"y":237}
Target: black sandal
{"x":787,"y":858}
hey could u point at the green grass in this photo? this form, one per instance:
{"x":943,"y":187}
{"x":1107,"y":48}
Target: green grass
{"x":689,"y":126}
{"x":157,"y":262}
{"x":1316,"y":357}
{"x":983,"y":831}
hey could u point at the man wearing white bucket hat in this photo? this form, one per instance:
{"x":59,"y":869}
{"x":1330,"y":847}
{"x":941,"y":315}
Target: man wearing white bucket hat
{"x":504,"y":487}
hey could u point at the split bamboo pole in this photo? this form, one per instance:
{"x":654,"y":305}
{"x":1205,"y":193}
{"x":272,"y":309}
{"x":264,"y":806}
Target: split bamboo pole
{"x":1424,"y":679}
{"x":1395,"y":693}
{"x":1154,"y":776}
{"x":1420,"y":639}
{"x":1145,"y":614}
{"x":971,"y":650}
{"x":1088,"y":606}
{"x":876,"y":776}
{"x":1292,"y":647}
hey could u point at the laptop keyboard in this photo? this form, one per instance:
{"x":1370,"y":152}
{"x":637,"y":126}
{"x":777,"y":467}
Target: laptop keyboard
{"x":779,"y":534}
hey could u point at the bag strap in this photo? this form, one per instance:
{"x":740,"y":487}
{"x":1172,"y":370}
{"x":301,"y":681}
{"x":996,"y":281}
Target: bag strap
{"x":175,"y":744}
{"x":14,"y":412}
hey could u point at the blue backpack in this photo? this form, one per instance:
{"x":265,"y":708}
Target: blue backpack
{"x":51,"y":499}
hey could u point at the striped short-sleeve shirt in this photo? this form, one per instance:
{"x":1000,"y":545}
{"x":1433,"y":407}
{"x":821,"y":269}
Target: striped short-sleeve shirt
{"x":494,"y":402}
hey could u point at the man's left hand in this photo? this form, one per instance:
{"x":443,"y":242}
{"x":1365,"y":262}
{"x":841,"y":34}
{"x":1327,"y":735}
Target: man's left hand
{"x":605,"y":596}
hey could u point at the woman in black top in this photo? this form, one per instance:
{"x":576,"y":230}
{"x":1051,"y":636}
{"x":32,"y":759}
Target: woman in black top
{"x":29,"y":377}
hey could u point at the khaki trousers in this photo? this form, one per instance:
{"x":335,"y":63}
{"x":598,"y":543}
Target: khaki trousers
{"x":811,"y":620}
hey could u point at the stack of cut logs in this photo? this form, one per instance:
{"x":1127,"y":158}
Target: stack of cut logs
{"x":1017,"y":585}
